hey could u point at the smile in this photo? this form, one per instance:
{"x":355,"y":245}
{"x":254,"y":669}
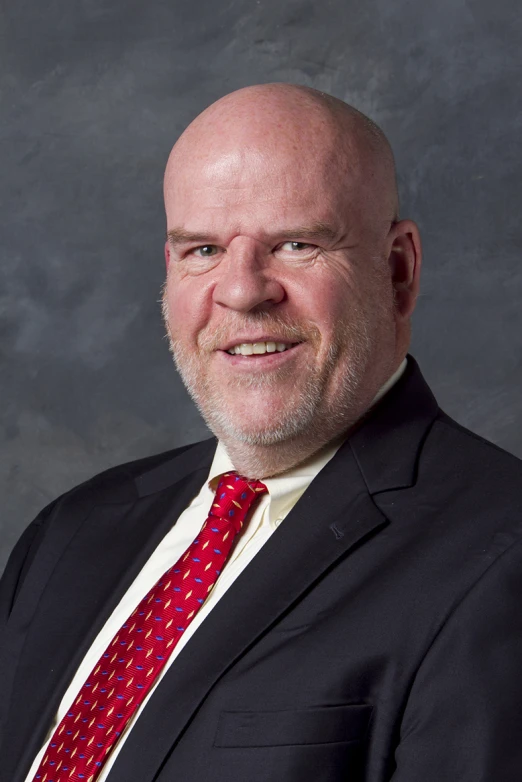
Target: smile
{"x":258,"y":348}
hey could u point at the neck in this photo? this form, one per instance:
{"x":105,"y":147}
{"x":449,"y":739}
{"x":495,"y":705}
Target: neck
{"x":258,"y":461}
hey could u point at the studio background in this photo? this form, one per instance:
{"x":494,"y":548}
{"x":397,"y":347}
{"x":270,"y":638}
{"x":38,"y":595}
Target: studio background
{"x":92,"y":96}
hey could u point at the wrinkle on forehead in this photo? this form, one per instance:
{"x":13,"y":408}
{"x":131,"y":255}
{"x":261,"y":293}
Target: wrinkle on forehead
{"x":268,"y":129}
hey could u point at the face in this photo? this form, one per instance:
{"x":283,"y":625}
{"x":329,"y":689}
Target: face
{"x":278,"y":299}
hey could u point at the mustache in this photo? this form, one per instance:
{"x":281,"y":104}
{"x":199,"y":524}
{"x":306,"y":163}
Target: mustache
{"x":213,"y":337}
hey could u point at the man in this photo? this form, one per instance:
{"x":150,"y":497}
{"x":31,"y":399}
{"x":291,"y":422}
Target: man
{"x":360,"y":616}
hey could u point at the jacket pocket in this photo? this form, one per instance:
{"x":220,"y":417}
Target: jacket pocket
{"x":319,"y":725}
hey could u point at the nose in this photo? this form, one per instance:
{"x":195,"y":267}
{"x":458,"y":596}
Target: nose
{"x":246,"y":280}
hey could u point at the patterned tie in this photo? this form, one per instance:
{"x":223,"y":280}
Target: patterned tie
{"x":126,"y":671}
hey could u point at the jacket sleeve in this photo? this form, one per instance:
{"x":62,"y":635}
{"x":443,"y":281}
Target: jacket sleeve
{"x":463,"y":719}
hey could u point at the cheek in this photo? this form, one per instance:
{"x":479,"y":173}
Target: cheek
{"x":185,"y":311}
{"x":328,"y":306}
{"x":331,"y":292}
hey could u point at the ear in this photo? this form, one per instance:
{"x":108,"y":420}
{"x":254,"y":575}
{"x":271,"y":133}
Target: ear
{"x":167,"y":254}
{"x":405,"y":256}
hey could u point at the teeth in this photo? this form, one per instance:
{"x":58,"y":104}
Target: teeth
{"x":257,"y":348}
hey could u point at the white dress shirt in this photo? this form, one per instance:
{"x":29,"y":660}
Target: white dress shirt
{"x":283,"y":493}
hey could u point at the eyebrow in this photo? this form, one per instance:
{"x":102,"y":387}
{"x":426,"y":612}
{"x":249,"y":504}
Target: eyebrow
{"x":315,"y":231}
{"x":180,"y":236}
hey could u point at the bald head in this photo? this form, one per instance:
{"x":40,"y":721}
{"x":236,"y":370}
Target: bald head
{"x":283,"y":236}
{"x":308,"y":128}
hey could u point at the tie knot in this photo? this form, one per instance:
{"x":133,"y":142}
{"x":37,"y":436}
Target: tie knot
{"x":235,"y":495}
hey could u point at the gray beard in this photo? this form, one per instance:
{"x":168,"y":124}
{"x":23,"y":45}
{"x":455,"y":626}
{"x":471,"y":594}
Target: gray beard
{"x":304,"y":418}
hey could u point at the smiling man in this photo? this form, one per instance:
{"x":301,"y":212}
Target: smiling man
{"x":284,"y":255}
{"x":327,"y":590}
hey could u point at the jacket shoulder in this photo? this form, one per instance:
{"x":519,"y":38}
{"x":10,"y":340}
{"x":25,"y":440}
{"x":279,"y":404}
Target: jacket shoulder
{"x":117,"y":483}
{"x":474,"y":445}
{"x":465,"y":468}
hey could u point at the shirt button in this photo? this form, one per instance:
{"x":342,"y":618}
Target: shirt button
{"x":277,"y":522}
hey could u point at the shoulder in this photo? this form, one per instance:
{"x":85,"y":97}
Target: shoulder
{"x":462,"y":505}
{"x":119,"y":482}
{"x":472,"y":458}
{"x":116,"y":485}
{"x":467,"y":495}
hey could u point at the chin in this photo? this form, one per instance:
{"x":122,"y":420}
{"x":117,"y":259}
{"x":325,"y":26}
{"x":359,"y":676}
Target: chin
{"x":263,"y":430}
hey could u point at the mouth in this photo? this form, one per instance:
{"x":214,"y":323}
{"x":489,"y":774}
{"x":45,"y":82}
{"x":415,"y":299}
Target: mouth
{"x":259,"y":348}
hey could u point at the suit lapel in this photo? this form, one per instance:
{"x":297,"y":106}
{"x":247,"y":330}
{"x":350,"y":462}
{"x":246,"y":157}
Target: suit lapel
{"x":313,"y":536}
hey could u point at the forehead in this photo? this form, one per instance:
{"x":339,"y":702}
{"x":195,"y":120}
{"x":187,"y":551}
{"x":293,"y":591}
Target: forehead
{"x":253,"y":183}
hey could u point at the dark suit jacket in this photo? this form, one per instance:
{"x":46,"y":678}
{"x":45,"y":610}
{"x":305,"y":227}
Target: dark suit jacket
{"x":376,"y":636}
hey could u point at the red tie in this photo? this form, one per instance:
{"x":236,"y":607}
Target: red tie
{"x":126,"y":671}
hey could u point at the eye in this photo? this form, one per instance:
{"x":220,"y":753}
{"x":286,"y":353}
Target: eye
{"x":205,"y":251}
{"x":295,"y":246}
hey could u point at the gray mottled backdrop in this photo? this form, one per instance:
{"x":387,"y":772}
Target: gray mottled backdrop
{"x":93,"y":94}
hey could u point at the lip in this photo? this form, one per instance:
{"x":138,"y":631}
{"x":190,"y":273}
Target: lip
{"x":240,"y":340}
{"x":260,"y":362}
